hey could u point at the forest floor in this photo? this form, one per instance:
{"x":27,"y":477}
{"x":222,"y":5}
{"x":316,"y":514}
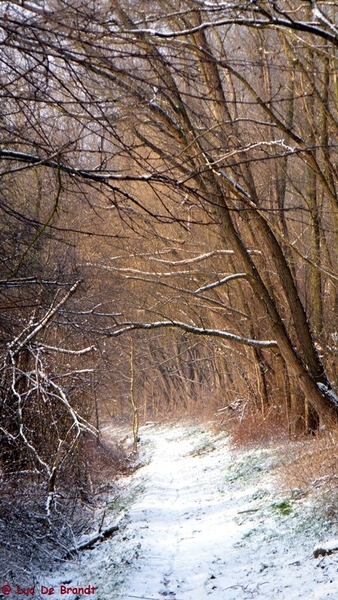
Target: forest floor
{"x":200,"y":520}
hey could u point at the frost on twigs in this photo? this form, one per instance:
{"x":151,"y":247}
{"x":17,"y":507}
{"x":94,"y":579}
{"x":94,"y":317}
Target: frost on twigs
{"x":52,"y":464}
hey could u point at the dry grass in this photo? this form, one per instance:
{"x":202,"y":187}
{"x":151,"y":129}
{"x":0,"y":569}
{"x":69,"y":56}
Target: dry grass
{"x":311,"y":465}
{"x":308,"y":464}
{"x":250,"y":427}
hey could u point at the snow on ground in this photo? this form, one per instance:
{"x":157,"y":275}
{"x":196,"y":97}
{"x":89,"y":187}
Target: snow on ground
{"x":201,"y":521}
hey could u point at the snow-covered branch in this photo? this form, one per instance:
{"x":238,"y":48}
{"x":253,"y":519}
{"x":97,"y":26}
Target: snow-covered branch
{"x":140,"y":272}
{"x":257,"y":23}
{"x":211,"y":286}
{"x":188,"y":261}
{"x":184,"y":261}
{"x":256,"y":146}
{"x":31,"y":331}
{"x":126,"y":327}
{"x":65,"y":350}
{"x":30,"y":7}
{"x":328,"y":393}
{"x":93,"y":175}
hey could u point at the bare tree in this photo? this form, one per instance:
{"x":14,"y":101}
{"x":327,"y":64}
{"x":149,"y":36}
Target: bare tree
{"x":160,"y":110}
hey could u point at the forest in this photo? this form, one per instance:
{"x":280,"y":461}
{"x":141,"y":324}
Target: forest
{"x":169,"y":218}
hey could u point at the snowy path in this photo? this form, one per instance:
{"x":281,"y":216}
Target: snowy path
{"x":181,"y":523}
{"x":207,"y":529}
{"x":204,"y":522}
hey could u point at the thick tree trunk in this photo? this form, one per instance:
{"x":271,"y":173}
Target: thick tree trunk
{"x":327,"y":410}
{"x":306,"y":347}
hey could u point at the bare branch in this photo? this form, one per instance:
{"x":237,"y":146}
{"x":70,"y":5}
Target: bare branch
{"x":211,"y":286}
{"x":65,"y":350}
{"x":269,"y":23}
{"x":125,"y":327}
{"x":32,"y":330}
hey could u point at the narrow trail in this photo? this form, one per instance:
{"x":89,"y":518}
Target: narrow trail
{"x":176,"y":515}
{"x":200,"y":521}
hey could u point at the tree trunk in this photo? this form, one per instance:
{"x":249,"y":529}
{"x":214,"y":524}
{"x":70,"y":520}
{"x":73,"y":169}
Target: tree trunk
{"x":326,"y":410}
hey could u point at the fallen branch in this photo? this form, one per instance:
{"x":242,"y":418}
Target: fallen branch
{"x":98,"y":537}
